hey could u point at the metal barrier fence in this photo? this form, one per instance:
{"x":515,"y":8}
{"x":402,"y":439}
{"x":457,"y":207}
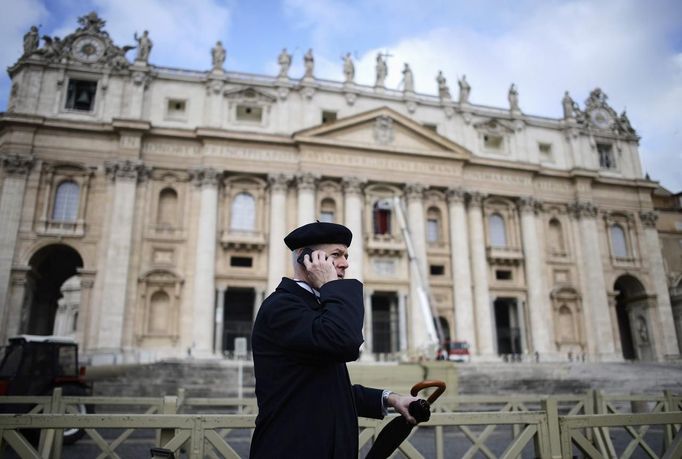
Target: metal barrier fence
{"x":591,"y":424}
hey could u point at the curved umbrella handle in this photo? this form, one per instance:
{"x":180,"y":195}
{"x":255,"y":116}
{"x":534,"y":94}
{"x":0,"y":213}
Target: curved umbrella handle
{"x":426,"y":384}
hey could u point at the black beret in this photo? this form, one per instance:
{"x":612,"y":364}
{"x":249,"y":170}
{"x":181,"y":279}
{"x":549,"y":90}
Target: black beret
{"x":318,"y":233}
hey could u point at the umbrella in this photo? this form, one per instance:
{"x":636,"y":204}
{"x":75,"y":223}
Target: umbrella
{"x":398,"y":429}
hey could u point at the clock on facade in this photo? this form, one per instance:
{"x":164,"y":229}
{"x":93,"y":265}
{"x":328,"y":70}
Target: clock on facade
{"x":88,"y":49}
{"x":600,"y":118}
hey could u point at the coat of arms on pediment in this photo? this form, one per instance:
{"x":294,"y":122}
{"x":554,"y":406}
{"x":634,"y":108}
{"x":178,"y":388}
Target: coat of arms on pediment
{"x":383,"y":130}
{"x":249,"y":94}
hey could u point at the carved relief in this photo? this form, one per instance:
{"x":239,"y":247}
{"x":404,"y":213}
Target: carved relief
{"x":649,"y":218}
{"x":16,"y":164}
{"x":205,"y":176}
{"x":126,"y":169}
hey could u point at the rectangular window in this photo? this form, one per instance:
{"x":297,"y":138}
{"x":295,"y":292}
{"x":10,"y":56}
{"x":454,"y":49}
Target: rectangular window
{"x":328,"y":116}
{"x":327,"y":216}
{"x":437,"y":270}
{"x":431,"y":127}
{"x":176,"y":108}
{"x":432,"y":234}
{"x":241,"y":262}
{"x":492,"y":142}
{"x":249,"y":113}
{"x":80,"y":95}
{"x":503,"y":274}
{"x":545,"y":150}
{"x":606,"y":158}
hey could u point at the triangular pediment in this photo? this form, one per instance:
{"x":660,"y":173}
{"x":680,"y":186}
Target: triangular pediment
{"x":382,"y":129}
{"x":249,"y":94}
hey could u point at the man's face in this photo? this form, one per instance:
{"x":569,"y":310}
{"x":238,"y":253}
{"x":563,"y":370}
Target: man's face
{"x":338,"y":253}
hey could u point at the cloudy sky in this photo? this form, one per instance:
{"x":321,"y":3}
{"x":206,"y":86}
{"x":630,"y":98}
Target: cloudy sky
{"x":631,"y":49}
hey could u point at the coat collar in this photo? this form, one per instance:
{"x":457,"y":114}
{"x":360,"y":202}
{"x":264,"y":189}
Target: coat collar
{"x":290,"y":286}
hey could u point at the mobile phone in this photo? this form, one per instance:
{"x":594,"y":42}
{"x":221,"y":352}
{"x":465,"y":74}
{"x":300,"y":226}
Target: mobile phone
{"x":307,"y":251}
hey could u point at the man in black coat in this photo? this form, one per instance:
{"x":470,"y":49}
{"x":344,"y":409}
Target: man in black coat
{"x":304,"y":334}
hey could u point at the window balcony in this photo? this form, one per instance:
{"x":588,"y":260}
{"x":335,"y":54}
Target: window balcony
{"x":384,"y":244}
{"x":504,"y":255}
{"x":242,"y":240}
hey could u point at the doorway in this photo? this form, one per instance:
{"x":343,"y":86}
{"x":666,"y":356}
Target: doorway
{"x":507,"y":326}
{"x":51,"y":267}
{"x":238,"y":316}
{"x":385,"y":333}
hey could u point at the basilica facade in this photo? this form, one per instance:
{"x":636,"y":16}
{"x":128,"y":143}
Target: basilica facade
{"x":143,"y":209}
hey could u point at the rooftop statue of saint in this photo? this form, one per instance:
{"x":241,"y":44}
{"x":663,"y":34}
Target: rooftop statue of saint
{"x":31,"y":41}
{"x":443,"y":89}
{"x":218,"y":55}
{"x":348,"y":68}
{"x":381,"y":70}
{"x":408,"y":79}
{"x":284,"y":61}
{"x":144,"y":47}
{"x":567,"y":103}
{"x":513,"y":97}
{"x":308,"y":64}
{"x":464,"y":90}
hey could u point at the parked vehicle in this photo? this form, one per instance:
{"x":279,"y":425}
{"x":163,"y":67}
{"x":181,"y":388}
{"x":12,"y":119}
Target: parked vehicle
{"x":36,"y":365}
{"x":454,"y":351}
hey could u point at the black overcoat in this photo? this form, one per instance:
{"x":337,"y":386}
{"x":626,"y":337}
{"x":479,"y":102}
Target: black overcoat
{"x":307,"y":407}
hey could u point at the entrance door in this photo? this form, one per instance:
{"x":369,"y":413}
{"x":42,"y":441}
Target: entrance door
{"x":238,"y":319}
{"x":507,"y":326}
{"x":385,"y":331}
{"x":51,"y":266}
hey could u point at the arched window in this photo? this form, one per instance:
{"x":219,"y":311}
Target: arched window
{"x":66,"y":202}
{"x":158,"y":312}
{"x":168,"y":207}
{"x":566,"y":325}
{"x":498,"y":234}
{"x":243,"y":213}
{"x":327,"y":210}
{"x":382,"y":217}
{"x":433,"y":225}
{"x":556,"y":237}
{"x":618,"y":241}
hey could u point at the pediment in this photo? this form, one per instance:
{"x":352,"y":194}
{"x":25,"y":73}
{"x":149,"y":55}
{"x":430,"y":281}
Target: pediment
{"x":249,"y":94}
{"x":382,"y":129}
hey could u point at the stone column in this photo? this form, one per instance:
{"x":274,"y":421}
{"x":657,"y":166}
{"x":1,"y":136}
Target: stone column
{"x":16,"y":169}
{"x":367,"y":354}
{"x":479,"y":268}
{"x":461,"y":273}
{"x":85,"y":309}
{"x":214,"y":101}
{"x":204,"y":267}
{"x":109,"y":330}
{"x":538,"y":298}
{"x":277,"y":254}
{"x":139,"y":82}
{"x":352,"y":188}
{"x":402,"y":321}
{"x":306,"y":198}
{"x":665,"y":341}
{"x":219,"y":325}
{"x":419,"y":338}
{"x":596,"y":304}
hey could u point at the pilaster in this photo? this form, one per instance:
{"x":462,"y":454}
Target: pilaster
{"x":277,"y":258}
{"x":352,"y":189}
{"x":16,"y":168}
{"x":306,"y":184}
{"x":465,"y":329}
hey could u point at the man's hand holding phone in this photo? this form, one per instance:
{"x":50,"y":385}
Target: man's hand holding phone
{"x":318,"y":267}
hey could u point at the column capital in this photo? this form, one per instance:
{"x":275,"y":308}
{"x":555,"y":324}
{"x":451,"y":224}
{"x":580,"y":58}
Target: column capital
{"x":456,"y":194}
{"x":475,"y":198}
{"x":583,"y":209}
{"x":205,"y":176}
{"x":649,"y":218}
{"x":353,"y":185}
{"x":414,"y":191}
{"x":126,"y":170}
{"x":278,"y":182}
{"x":529,"y":204}
{"x":306,"y":181}
{"x":17,"y":164}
